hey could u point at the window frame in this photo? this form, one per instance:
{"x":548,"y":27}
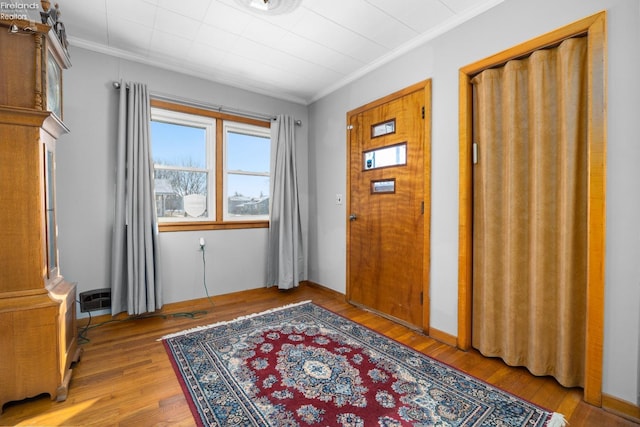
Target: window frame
{"x":218,"y":223}
{"x":246,"y":129}
{"x":209,"y":125}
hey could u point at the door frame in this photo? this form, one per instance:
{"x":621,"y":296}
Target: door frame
{"x":594,"y":27}
{"x":424,"y":86}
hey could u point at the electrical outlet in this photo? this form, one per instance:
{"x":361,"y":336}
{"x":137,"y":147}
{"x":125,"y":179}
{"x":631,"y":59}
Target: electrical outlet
{"x":202,"y":243}
{"x":339,"y":199}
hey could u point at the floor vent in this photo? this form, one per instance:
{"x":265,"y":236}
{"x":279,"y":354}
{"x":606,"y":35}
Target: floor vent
{"x":97,"y":299}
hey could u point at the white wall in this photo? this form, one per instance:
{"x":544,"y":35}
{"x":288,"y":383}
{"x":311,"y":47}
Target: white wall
{"x":235,"y":259}
{"x":508,"y":24}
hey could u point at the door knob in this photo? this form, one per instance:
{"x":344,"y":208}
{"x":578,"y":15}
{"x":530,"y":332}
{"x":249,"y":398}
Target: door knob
{"x":352,"y":217}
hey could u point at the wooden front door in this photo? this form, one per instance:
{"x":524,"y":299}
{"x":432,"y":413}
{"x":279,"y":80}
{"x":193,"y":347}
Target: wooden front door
{"x":386,"y":208}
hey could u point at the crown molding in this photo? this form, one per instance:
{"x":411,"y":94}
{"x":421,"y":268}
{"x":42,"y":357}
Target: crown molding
{"x":122,"y":54}
{"x":446,"y":26}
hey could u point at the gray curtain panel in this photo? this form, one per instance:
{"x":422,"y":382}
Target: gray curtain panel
{"x":285,"y":258}
{"x":135,"y":271}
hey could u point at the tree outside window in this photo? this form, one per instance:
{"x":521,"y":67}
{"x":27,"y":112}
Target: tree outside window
{"x":182,"y":148}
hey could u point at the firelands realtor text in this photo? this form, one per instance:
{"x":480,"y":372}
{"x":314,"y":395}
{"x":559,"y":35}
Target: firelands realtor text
{"x":13,"y":11}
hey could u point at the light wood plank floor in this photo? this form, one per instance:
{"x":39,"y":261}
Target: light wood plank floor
{"x":125,"y":377}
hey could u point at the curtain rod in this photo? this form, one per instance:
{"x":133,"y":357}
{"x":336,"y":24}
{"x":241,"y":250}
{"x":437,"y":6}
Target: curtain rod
{"x":218,"y":108}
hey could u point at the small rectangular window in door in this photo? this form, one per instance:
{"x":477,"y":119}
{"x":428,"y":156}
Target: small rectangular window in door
{"x":384,"y":157}
{"x":383,"y":186}
{"x":382,"y":129}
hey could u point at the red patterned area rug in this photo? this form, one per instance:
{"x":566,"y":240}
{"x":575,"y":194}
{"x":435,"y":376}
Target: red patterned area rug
{"x":302,"y":365}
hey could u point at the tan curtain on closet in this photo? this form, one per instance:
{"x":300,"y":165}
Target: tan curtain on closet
{"x":530,"y":212}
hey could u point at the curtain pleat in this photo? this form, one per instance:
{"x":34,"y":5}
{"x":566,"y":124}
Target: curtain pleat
{"x":285,"y":256}
{"x":135,"y":273}
{"x":530,"y":200}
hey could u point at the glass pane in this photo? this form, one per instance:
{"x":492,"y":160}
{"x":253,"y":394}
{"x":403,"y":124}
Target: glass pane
{"x":54,"y":86}
{"x":50,"y":195}
{"x":385,"y":128}
{"x":178,"y":145}
{"x":248,"y":153}
{"x":51,"y":242}
{"x":383,"y":186}
{"x":52,"y":251}
{"x":171,"y":188}
{"x":247,"y":195}
{"x":384,"y":157}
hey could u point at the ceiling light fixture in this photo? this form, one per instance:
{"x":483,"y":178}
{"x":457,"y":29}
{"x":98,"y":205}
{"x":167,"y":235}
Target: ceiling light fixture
{"x":260,"y":4}
{"x":270,"y":7}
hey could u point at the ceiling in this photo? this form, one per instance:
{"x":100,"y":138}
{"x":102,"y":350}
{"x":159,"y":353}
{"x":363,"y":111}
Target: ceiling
{"x":298,"y":56}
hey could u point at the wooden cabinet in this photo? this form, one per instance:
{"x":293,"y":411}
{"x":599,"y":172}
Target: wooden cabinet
{"x":38,"y":336}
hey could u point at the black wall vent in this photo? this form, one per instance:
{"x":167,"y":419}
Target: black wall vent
{"x":97,"y":299}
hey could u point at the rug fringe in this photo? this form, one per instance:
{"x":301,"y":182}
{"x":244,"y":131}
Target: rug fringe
{"x":557,"y":420}
{"x":226,"y":322}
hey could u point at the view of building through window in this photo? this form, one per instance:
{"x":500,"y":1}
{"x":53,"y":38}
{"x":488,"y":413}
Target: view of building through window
{"x":247,"y":172}
{"x":181,"y":169}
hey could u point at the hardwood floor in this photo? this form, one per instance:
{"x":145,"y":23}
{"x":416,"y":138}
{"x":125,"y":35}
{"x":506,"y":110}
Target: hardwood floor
{"x":125,"y":377}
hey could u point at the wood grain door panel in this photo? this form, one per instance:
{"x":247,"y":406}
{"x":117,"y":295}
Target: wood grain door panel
{"x":386,"y":236}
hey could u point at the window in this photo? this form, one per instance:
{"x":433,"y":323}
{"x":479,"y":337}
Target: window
{"x":183,"y":147}
{"x":212,"y":170}
{"x":247,"y":151}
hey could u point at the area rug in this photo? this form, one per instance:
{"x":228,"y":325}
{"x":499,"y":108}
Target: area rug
{"x":302,"y":365}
